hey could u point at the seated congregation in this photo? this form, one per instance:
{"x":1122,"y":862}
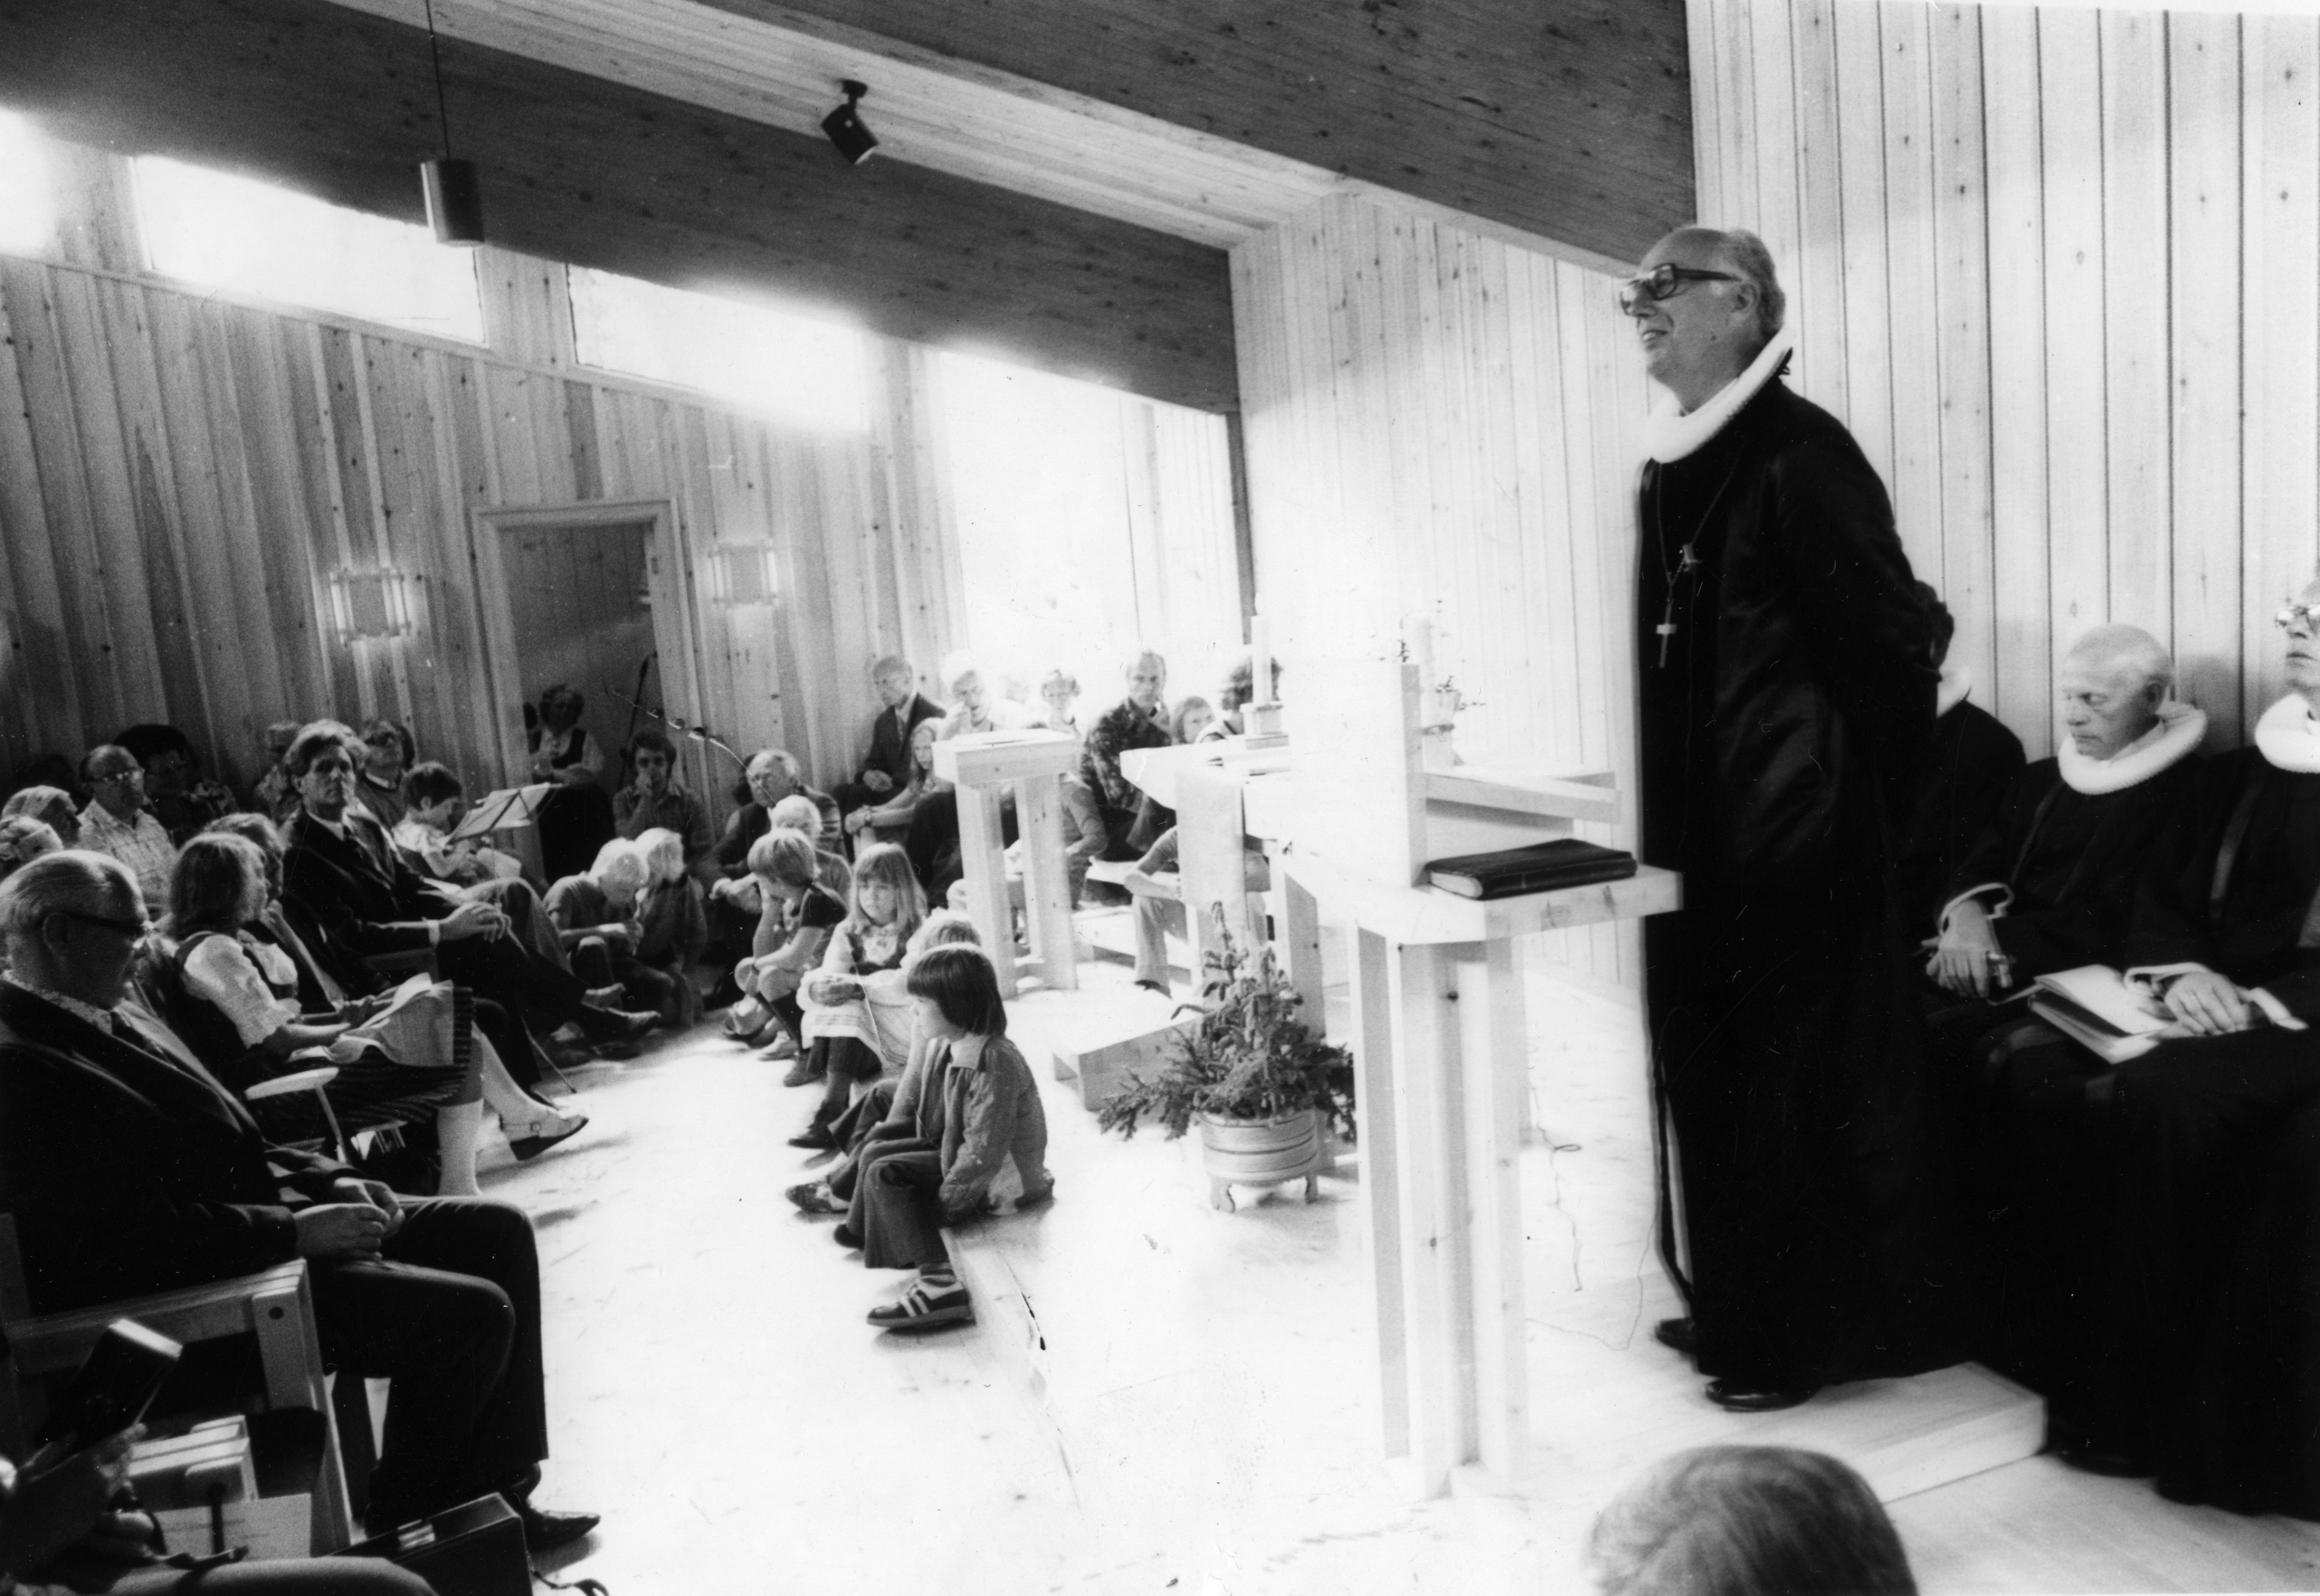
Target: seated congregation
{"x":170,"y":949}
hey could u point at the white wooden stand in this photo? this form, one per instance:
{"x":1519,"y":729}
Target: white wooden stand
{"x":1441,"y":1049}
{"x":981,"y":766}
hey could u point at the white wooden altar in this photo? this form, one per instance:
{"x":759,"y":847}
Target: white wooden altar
{"x":984,"y":766}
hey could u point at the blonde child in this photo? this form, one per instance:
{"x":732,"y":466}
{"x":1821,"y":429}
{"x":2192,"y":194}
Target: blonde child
{"x":857,"y":1015}
{"x":673,"y":922}
{"x":794,"y":923}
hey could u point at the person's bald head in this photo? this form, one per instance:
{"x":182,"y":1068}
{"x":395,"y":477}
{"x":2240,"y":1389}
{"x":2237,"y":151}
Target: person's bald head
{"x":1701,"y":327}
{"x":2112,"y":683}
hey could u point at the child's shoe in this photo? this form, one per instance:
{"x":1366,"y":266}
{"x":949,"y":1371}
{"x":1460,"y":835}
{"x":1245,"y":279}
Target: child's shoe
{"x":814,"y":1196}
{"x":930,"y":1303}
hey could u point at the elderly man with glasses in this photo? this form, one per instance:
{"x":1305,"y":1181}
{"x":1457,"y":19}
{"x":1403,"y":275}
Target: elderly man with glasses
{"x":118,"y":823}
{"x":129,"y":1169}
{"x":1785,"y":692}
{"x":2190,"y":1192}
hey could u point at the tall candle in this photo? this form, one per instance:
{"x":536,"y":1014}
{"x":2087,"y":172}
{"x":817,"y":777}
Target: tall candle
{"x":1417,"y":634}
{"x":1259,"y":661}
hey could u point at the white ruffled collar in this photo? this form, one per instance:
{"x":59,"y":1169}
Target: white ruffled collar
{"x":2177,"y":736}
{"x":1669,"y":434}
{"x":2289,"y":737}
{"x":1957,"y":685}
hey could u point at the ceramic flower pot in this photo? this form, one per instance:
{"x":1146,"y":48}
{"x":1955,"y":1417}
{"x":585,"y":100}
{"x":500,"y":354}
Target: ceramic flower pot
{"x":1261,"y":1152}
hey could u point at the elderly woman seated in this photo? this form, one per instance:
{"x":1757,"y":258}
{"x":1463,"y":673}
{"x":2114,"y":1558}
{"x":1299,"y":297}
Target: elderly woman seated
{"x":52,"y":806}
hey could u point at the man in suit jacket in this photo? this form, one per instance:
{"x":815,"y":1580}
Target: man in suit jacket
{"x":344,"y":876}
{"x":900,"y":707}
{"x":130,"y":1169}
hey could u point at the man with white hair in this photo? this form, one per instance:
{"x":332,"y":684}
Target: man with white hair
{"x":1785,"y":692}
{"x":2052,"y":886}
{"x":129,"y":1169}
{"x":1139,"y":720}
{"x":2193,"y":1184}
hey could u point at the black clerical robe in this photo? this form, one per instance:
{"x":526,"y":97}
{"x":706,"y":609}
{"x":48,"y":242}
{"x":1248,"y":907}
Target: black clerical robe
{"x":1974,"y":761}
{"x":2192,"y":1209}
{"x":2068,"y":863}
{"x":1781,"y":740}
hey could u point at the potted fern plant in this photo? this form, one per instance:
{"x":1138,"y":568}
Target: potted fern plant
{"x":1264,"y":1090}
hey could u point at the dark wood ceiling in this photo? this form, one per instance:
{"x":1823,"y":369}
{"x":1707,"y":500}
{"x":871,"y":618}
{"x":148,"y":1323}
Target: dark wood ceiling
{"x":1569,"y":118}
{"x":576,"y":168}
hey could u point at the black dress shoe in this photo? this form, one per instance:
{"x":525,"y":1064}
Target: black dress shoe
{"x":545,"y":1531}
{"x":1735,"y":1398}
{"x":816,"y":1135}
{"x":843,"y":1235}
{"x":1678,"y":1335}
{"x":614,"y":1024}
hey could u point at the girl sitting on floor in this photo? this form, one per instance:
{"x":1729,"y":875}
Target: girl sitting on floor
{"x":797,"y":917}
{"x":979,"y":1146}
{"x":673,"y":921}
{"x":402,"y":1057}
{"x":857,"y":1015}
{"x":872,"y":1116}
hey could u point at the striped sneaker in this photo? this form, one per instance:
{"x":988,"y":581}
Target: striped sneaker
{"x":924,"y":1309}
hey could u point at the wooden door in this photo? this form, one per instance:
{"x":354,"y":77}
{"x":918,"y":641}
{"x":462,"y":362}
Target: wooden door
{"x":586,"y":595}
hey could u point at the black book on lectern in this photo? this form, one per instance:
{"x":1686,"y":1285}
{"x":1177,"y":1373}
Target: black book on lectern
{"x":1543,"y":867}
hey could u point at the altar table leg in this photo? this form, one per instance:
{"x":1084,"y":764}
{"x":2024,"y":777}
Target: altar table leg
{"x":1046,"y":882}
{"x":982,"y":858}
{"x":1379,"y":1147}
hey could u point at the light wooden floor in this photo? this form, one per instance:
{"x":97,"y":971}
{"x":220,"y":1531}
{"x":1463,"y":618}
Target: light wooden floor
{"x":1207,"y":1428}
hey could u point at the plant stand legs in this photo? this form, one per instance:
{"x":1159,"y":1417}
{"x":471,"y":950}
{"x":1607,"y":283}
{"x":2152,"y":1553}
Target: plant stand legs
{"x":1221,"y":1196}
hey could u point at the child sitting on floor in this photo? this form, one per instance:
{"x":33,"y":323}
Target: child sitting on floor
{"x":797,"y":917}
{"x":673,"y":922}
{"x":595,"y":919}
{"x":872,"y":1117}
{"x":978,"y":1147}
{"x":858,"y":1016}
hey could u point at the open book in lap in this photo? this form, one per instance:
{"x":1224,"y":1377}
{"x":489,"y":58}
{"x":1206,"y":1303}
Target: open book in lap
{"x":2117,"y":1019}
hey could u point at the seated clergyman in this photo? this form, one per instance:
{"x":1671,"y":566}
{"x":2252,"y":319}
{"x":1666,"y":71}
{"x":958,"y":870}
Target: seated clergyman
{"x":2191,"y":1181}
{"x":2050,"y":885}
{"x":130,"y":1169}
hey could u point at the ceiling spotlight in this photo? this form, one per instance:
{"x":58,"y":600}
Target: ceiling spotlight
{"x":454,"y":193}
{"x":845,"y":129}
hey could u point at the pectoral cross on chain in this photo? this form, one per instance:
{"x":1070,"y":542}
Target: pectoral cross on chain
{"x":1666,"y":629}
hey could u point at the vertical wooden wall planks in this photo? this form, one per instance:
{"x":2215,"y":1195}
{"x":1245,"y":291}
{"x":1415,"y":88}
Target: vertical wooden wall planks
{"x":2097,"y":369}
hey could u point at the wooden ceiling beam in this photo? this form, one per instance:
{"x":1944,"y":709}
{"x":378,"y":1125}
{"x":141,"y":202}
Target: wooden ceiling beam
{"x":597,"y":172}
{"x":1564,"y":120}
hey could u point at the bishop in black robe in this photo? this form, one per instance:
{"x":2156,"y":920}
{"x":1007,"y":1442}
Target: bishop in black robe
{"x":1786,"y":703}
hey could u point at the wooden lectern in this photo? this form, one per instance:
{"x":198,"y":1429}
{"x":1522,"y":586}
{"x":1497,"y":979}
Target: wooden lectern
{"x":1440,"y":1043}
{"x":983,"y":766}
